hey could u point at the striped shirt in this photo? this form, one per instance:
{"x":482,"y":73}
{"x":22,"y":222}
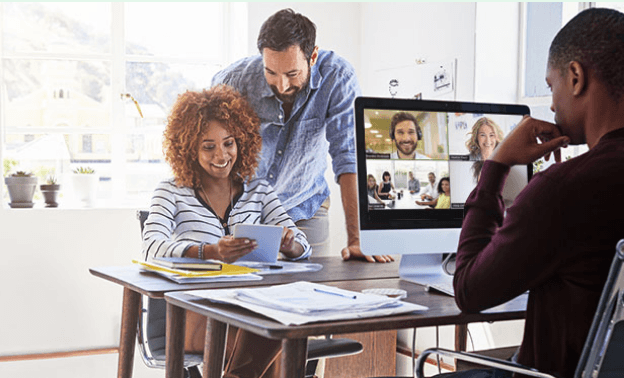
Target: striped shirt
{"x":179,"y":219}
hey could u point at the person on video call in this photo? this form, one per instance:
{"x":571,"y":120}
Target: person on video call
{"x":484,"y":137}
{"x":413,"y":185}
{"x":372,"y":189}
{"x":405,"y":133}
{"x":431,"y":190}
{"x":304,"y":98}
{"x":212,"y":142}
{"x":384,"y":190}
{"x":553,"y":241}
{"x":443,"y":201}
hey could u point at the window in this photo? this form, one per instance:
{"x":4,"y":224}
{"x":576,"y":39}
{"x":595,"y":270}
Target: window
{"x":71,"y":73}
{"x":540,"y":23}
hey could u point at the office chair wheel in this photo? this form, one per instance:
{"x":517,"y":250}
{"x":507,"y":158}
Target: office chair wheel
{"x":192,"y":372}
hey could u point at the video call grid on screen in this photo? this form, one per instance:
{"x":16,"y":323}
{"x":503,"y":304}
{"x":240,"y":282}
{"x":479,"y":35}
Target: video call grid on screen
{"x":442,"y":146}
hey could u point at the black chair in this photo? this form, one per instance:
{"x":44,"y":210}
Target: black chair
{"x":604,"y":347}
{"x":152,"y":330}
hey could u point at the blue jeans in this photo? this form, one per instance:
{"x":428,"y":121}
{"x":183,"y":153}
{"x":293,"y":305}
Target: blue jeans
{"x":316,"y":230}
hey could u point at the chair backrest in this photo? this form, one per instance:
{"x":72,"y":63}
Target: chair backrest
{"x":603,"y":353}
{"x":142,"y":217}
{"x":152,"y":325}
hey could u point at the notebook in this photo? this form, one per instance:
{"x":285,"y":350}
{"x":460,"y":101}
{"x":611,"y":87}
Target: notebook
{"x":190,"y":263}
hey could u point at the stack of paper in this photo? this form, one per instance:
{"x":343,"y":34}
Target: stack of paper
{"x":305,"y":302}
{"x":310,"y":298}
{"x":227,"y":273}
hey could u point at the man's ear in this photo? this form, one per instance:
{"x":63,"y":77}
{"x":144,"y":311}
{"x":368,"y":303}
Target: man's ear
{"x":314,"y":56}
{"x":577,"y":79}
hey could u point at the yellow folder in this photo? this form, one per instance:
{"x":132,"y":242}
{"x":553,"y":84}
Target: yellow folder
{"x":227,"y":270}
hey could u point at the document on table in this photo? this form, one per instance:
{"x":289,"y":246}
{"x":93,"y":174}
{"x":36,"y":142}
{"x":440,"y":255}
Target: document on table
{"x":306,"y":302}
{"x":280,"y":267}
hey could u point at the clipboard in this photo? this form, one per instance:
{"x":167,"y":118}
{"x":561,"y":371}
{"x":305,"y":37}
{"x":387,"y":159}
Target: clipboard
{"x":268,"y":238}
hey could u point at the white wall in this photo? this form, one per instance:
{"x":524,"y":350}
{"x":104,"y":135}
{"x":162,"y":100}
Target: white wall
{"x":397,"y":34}
{"x":50,"y":301}
{"x":497,"y":52}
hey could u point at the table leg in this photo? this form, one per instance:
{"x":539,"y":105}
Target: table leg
{"x":294,"y":355}
{"x":214,"y":348}
{"x":461,"y":337}
{"x":174,"y":349}
{"x":129,"y":319}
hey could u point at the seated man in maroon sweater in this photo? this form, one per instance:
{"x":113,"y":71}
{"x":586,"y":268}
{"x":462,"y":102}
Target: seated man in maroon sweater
{"x":558,"y":239}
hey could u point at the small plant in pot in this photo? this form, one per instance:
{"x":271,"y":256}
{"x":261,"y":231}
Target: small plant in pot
{"x":85,"y":185}
{"x":50,"y":191}
{"x":21,"y":187}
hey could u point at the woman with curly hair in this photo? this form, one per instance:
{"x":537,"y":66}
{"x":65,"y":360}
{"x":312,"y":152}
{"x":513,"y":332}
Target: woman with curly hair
{"x":484,"y":138}
{"x":212,"y":143}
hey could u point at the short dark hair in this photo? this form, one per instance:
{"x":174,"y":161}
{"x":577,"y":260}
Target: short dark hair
{"x":287,"y":28}
{"x":404,"y":116}
{"x":594,"y":38}
{"x":386,"y":173}
{"x":440,"y":184}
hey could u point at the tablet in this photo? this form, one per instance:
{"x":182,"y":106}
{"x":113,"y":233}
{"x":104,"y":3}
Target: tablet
{"x":268,"y":238}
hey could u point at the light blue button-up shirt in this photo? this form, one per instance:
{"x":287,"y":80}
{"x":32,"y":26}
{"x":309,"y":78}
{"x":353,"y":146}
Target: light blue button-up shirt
{"x":294,"y":151}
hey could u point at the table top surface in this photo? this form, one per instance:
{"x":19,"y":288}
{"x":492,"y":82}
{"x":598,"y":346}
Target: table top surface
{"x":407,"y":201}
{"x":334,"y":269}
{"x":442,"y":311}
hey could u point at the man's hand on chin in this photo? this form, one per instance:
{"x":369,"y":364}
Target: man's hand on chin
{"x":354,"y":252}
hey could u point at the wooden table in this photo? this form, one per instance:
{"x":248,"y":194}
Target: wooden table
{"x":136,"y":283}
{"x":442,"y":311}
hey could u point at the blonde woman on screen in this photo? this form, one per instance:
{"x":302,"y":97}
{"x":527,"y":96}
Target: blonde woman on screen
{"x":484,"y":138}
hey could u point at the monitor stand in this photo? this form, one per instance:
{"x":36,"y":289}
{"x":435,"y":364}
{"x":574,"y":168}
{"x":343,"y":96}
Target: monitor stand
{"x":429,"y":270}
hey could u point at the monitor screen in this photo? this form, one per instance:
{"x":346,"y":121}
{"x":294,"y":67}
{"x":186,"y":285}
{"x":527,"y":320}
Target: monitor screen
{"x":418,"y":161}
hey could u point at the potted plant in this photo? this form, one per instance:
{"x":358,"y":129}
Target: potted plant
{"x":85,"y":185}
{"x":50,"y":191}
{"x":21,"y":187}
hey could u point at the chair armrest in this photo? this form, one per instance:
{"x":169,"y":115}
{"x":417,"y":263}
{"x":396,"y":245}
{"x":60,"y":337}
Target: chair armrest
{"x":481,"y":360}
{"x":329,"y":348}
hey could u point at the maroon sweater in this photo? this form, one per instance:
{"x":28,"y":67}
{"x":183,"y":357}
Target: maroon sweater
{"x":557,"y":240}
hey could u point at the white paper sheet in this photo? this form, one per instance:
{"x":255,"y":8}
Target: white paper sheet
{"x":315,"y":306}
{"x":285,"y":267}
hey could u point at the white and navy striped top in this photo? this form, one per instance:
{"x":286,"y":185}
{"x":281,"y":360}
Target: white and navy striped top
{"x":179,"y":218}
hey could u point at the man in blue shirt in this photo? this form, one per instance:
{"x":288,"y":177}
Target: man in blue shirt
{"x":304,"y":98}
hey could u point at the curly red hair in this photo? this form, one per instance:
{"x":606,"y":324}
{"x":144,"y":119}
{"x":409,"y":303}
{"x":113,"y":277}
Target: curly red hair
{"x":188,"y":121}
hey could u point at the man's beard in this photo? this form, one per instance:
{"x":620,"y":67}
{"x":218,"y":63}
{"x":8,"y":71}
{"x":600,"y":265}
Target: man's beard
{"x":411,"y":148}
{"x":294,"y":90}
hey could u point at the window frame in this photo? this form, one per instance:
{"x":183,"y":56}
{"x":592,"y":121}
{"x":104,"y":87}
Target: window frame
{"x":568,"y":13}
{"x":234,"y":46}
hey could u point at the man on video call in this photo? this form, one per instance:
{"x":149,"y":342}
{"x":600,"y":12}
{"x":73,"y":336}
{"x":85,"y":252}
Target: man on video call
{"x":304,"y":98}
{"x":557,"y":241}
{"x":405,"y":133}
{"x":431,"y":190}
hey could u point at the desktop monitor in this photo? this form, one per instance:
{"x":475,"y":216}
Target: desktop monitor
{"x":416,"y":138}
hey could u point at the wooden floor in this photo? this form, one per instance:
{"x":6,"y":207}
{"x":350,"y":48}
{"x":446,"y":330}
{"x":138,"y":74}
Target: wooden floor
{"x":95,"y":366}
{"x":105,"y":365}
